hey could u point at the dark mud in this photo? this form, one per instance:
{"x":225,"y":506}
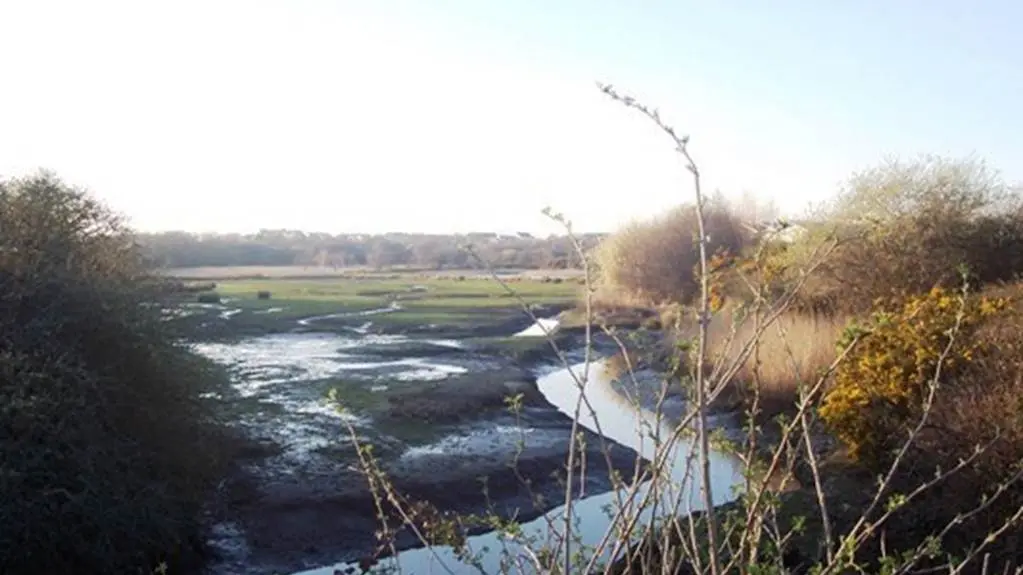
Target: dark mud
{"x":433,"y":403}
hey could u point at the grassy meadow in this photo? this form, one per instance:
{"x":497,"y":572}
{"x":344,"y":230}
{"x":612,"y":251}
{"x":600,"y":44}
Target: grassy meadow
{"x":312,"y":272}
{"x":440,"y":302}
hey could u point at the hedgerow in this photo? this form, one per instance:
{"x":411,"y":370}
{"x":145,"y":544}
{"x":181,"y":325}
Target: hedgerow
{"x":106,"y":451}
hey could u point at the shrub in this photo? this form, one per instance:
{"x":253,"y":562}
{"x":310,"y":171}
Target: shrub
{"x":263,"y":294}
{"x":905,"y":227}
{"x":209,"y":297}
{"x":654,"y":260}
{"x":986,"y":399}
{"x":977,"y":405}
{"x":881,"y":387}
{"x":106,"y":452}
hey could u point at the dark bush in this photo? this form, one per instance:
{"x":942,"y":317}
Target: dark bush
{"x":201,"y":287}
{"x":208,"y":297}
{"x":106,"y":452}
{"x":263,"y":295}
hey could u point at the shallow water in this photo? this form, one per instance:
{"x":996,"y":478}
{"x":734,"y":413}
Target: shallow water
{"x":286,"y":377}
{"x":619,"y":420}
{"x":394,"y":306}
{"x":541,"y":327}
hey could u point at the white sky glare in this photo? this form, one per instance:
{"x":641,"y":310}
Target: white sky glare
{"x":454,"y":116}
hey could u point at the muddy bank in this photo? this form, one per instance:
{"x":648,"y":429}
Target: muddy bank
{"x":620,"y":423}
{"x":225,"y":321}
{"x":315,"y":522}
{"x":437,"y":414}
{"x":323,"y":512}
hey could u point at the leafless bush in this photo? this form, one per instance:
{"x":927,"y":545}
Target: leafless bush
{"x":909,"y":225}
{"x":655,"y":261}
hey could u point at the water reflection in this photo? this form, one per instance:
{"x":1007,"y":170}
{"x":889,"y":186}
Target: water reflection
{"x":620,"y":420}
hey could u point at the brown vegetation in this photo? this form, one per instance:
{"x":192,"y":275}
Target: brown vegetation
{"x":654,"y":262}
{"x":905,"y":237}
{"x":796,"y":349}
{"x":905,"y":227}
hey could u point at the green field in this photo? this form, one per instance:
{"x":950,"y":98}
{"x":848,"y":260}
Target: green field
{"x":423,"y":300}
{"x":216,"y":273}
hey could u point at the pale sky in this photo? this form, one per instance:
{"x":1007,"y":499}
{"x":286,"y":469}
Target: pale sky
{"x":472,"y":115}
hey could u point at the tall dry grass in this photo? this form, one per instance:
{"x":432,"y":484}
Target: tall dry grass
{"x":796,"y":349}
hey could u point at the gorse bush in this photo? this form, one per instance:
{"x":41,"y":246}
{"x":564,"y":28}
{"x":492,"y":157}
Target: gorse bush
{"x":106,"y":452}
{"x":981,"y":405}
{"x":881,"y":388}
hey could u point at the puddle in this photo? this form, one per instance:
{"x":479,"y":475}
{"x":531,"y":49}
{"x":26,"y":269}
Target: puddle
{"x":364,"y":328}
{"x":422,"y":369}
{"x":452,"y":343}
{"x":281,"y":381}
{"x":540,"y":328}
{"x":264,"y":362}
{"x":229,"y":541}
{"x":168,"y":314}
{"x":306,"y":322}
{"x":489,"y":440}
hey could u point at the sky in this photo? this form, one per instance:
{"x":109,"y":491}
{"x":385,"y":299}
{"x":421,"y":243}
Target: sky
{"x":474,"y":115}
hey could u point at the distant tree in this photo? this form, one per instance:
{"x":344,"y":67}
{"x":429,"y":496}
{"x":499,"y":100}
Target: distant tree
{"x":290,"y":247}
{"x":386,"y":253}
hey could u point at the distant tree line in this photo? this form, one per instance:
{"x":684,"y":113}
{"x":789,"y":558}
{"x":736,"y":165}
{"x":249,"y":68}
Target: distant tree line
{"x":431,"y":251}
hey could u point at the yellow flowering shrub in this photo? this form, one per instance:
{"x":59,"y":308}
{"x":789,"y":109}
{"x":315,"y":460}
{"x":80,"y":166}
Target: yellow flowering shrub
{"x":718,"y":268}
{"x":881,"y":385}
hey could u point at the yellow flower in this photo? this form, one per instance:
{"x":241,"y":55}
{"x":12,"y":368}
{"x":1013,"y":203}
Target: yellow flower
{"x":894,"y":364}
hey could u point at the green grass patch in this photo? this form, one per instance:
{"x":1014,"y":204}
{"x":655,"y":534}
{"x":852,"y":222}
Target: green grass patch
{"x":507,"y":344}
{"x":298,"y":308}
{"x":453,"y":317}
{"x":441,"y":300}
{"x":358,"y":397}
{"x":333,"y":293}
{"x":370,"y":291}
